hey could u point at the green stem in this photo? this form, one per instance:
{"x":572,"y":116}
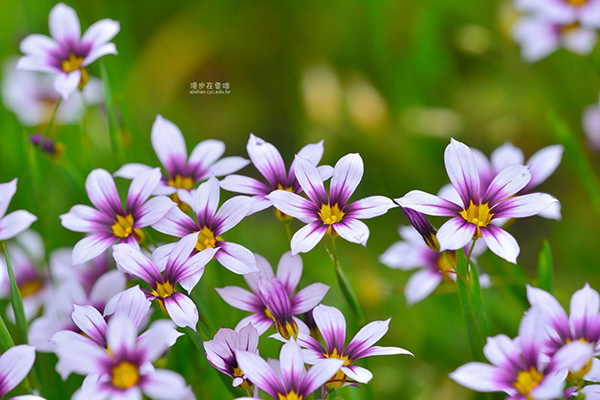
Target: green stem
{"x":51,"y":122}
{"x":288,"y":230}
{"x":16,"y":300}
{"x":344,"y":283}
{"x":6,"y":341}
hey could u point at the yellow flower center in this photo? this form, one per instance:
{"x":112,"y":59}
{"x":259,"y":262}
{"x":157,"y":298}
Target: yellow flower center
{"x":527,"y":381}
{"x":287,"y":330}
{"x":206,"y":239}
{"x":163,"y":290}
{"x":338,"y":380}
{"x":125,"y":375}
{"x":281,"y":216}
{"x":576,"y":3}
{"x":478,"y":215}
{"x":71,"y":64}
{"x":331,"y":215}
{"x":30,"y":288}
{"x":124,"y":226}
{"x":564,"y":29}
{"x":290,"y":396}
{"x":181,"y":182}
{"x":237,"y":372}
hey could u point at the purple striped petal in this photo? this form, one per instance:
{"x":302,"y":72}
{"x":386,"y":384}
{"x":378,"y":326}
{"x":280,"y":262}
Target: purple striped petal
{"x":429,"y":204}
{"x":142,"y":186}
{"x":455,"y":234}
{"x":312,"y":152}
{"x":499,"y":349}
{"x":86,"y":219}
{"x":236,"y":258}
{"x":260,"y":373}
{"x":157,"y":340}
{"x":506,"y":184}
{"x":78,"y":354}
{"x":291,"y":364}
{"x":247,"y":338}
{"x":15,"y":364}
{"x":294,"y":205}
{"x":347,"y":174}
{"x":169,"y":145}
{"x":486,"y":173}
{"x":462,"y":171}
{"x":319,"y":373}
{"x":310,"y":180}
{"x":505,"y":155}
{"x":551,"y":387}
{"x":132,"y":303}
{"x":478,"y":376}
{"x":551,"y":307}
{"x":573,"y":356}
{"x":384,"y":351}
{"x":532,"y":335}
{"x":308,"y":298}
{"x":500,"y":242}
{"x":358,"y":374}
{"x":14,"y":223}
{"x":133,"y":262}
{"x":306,"y":238}
{"x":189,"y":273}
{"x":332,"y":325}
{"x":153,"y":211}
{"x":289,"y":271}
{"x":231,"y":213}
{"x":206,"y":153}
{"x":523,"y":206}
{"x":90,"y":322}
{"x":244,"y":185}
{"x":176,"y":223}
{"x":265,"y":271}
{"x":228,"y":165}
{"x":182,"y":310}
{"x":240,"y":298}
{"x":259,"y":321}
{"x":7,"y":192}
{"x":267,"y":160}
{"x":207,"y":201}
{"x":91,"y":247}
{"x":369,"y":207}
{"x":64,"y":24}
{"x":366,"y":337}
{"x":352,"y":230}
{"x":101,"y":190}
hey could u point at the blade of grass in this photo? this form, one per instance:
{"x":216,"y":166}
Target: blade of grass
{"x":16,"y":300}
{"x":545,"y":268}
{"x":6,"y":341}
{"x":477,"y":300}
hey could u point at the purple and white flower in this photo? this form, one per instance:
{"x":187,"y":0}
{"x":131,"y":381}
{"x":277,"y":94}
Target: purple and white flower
{"x":268,"y":161}
{"x":472,"y":216}
{"x":17,"y":221}
{"x":183,"y":173}
{"x":15,"y":364}
{"x":272,"y":301}
{"x":181,"y":268}
{"x":67,"y":54}
{"x":221,"y":352}
{"x":126,"y":372}
{"x":109,"y":222}
{"x":211,"y":222}
{"x":591,"y":126}
{"x":584,"y":12}
{"x":583,"y":325}
{"x":519,"y":367}
{"x":329,"y":214}
{"x":539,"y":37}
{"x":287,"y":379}
{"x":332,"y":325}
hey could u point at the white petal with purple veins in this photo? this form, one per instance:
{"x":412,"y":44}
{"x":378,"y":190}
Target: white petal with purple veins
{"x":14,"y":223}
{"x":169,"y":144}
{"x":91,"y":247}
{"x":267,"y":160}
{"x":293,"y":205}
{"x":477,"y":376}
{"x":332,"y":325}
{"x":507,"y":183}
{"x":499,"y":349}
{"x":206,"y":200}
{"x":455,"y":234}
{"x":182,"y":310}
{"x":523,"y":206}
{"x":153,"y":211}
{"x":462,"y":171}
{"x":102,"y":191}
{"x":260,"y":373}
{"x":141,"y":187}
{"x":64,"y":24}
{"x":429,"y":204}
{"x":82,"y":218}
{"x":347,"y":174}
{"x":228,"y":165}
{"x":232,"y":212}
{"x":585,"y":303}
{"x":319,"y":373}
{"x":207,"y":153}
{"x":236,"y":258}
{"x":370,"y":207}
{"x":308,"y":298}
{"x":289,"y":271}
{"x":291,"y":364}
{"x":244,"y":185}
{"x":310,"y":180}
{"x":501,"y":243}
{"x":358,"y":374}
{"x":15,"y":364}
{"x":91,"y":323}
{"x":176,"y":223}
{"x":239,"y":298}
{"x":130,"y":260}
{"x":306,"y":238}
{"x":421,"y":284}
{"x":352,"y":230}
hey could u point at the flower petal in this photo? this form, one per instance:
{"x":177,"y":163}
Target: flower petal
{"x":78,"y":354}
{"x":332,"y":325}
{"x":228,"y":165}
{"x":130,"y":260}
{"x":293,"y":205}
{"x":319,"y":373}
{"x":259,"y":321}
{"x":176,"y":223}
{"x":97,"y":52}
{"x":477,"y":376}
{"x":236,"y":258}
{"x":240,"y":298}
{"x":152,"y":211}
{"x":429,"y":204}
{"x":65,"y":84}
{"x":206,"y":201}
{"x":15,"y":364}
{"x":585,"y":304}
{"x":244,"y":185}
{"x":506,"y":155}
{"x":289,"y":271}
{"x":523,"y":206}
{"x":91,"y":247}
{"x":455,"y":234}
{"x":543,"y":164}
{"x":64,"y":24}
{"x":101,"y":32}
{"x":421,"y":284}
{"x":352,"y":230}
{"x":231,"y":213}
{"x":347,"y":174}
{"x":260,"y":373}
{"x":310,"y":180}
{"x":308,"y":298}
{"x":142,"y":186}
{"x":91,"y":323}
{"x":507,"y":183}
{"x":157,"y":339}
{"x":82,"y":218}
{"x":500,"y":242}
{"x":7,"y":191}
{"x":306,"y":238}
{"x":14,"y":223}
{"x":267,"y":160}
{"x":132,"y":303}
{"x":369,"y":207}
{"x":366,"y":337}
{"x":38,"y":45}
{"x":169,"y":145}
{"x":462,"y":171}
{"x":164,"y":384}
{"x":358,"y":374}
{"x":544,"y":301}
{"x":291,"y":364}
{"x":102,"y":191}
{"x":131,"y":170}
{"x":499,"y":349}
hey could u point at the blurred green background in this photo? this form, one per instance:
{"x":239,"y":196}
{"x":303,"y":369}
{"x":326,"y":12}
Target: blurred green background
{"x":392,"y":80}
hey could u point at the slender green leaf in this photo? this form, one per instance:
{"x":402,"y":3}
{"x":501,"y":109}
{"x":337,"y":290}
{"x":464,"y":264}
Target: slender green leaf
{"x":477,"y":300}
{"x":546,"y":268}
{"x":475,"y":336}
{"x":344,"y":283}
{"x":6,"y":341}
{"x":16,"y":300}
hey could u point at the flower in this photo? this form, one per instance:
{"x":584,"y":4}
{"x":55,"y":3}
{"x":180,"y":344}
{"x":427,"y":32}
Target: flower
{"x":221,"y":351}
{"x":412,"y":252}
{"x":126,"y":370}
{"x":109,"y":222}
{"x":180,"y":269}
{"x":519,"y":367}
{"x":211,"y":222}
{"x":591,"y":126}
{"x":32,"y":97}
{"x":67,"y":53}
{"x":539,"y":37}
{"x":26,"y":255}
{"x":586,"y":12}
{"x":332,"y":214}
{"x":15,"y":364}
{"x":272,"y":301}
{"x":541,"y":165}
{"x":268,"y":161}
{"x":332,"y":325}
{"x":472,"y":217}
{"x":583,"y":325}
{"x":287,"y":379}
{"x":183,"y":173}
{"x":17,"y":221}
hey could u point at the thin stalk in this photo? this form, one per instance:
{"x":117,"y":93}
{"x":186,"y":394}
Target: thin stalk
{"x":344,"y":283}
{"x":51,"y":122}
{"x":288,"y":229}
{"x":16,"y":300}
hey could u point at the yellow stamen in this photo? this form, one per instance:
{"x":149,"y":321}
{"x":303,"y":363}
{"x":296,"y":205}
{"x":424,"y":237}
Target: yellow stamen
{"x":282,"y":216}
{"x":338,"y":380}
{"x":71,"y":64}
{"x":85,"y":78}
{"x":478,"y":215}
{"x":206,"y":239}
{"x":527,"y":381}
{"x":564,"y":29}
{"x":124,"y":226}
{"x":290,"y":396}
{"x":331,"y":215}
{"x":181,"y":182}
{"x":237,"y":372}
{"x":125,"y":375}
{"x":30,"y":288}
{"x":287,"y":330}
{"x":577,"y":3}
{"x":162,"y":291}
